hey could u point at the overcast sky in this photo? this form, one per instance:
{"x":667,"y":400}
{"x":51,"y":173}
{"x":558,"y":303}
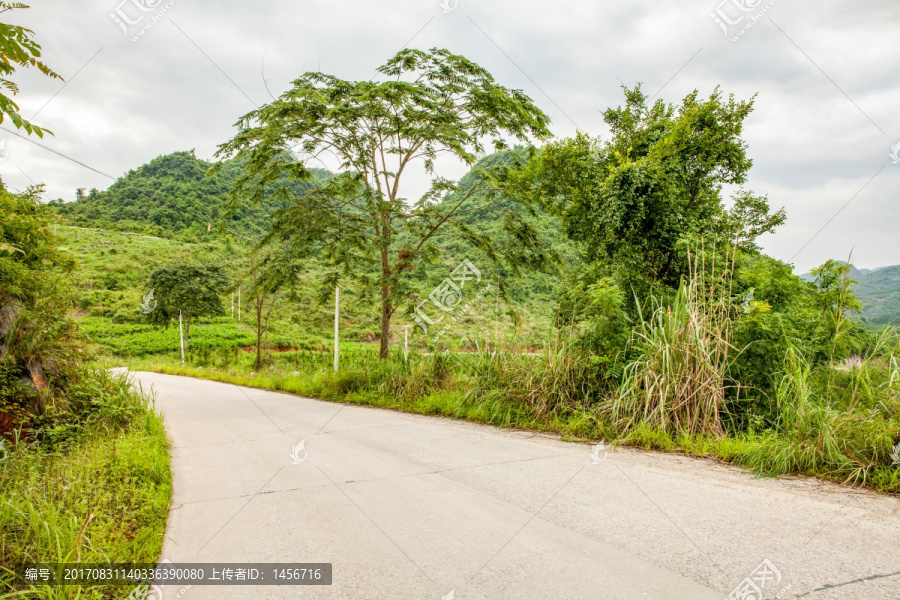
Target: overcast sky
{"x":827,"y":77}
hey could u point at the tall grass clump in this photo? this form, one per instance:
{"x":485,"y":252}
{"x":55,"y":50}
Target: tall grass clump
{"x":817,"y":436}
{"x":559,"y":380}
{"x":677,"y":380}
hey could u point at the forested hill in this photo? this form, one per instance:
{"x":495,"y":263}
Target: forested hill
{"x":879,"y":289}
{"x":169,"y":196}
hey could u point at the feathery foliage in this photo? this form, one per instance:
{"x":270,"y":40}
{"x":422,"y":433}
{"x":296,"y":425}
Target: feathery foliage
{"x":429,"y":104}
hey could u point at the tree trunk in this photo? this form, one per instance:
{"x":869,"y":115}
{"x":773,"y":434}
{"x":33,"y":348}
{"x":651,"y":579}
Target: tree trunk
{"x":386,"y":308}
{"x":385,"y":319}
{"x":259,"y":332}
{"x":36,"y":370}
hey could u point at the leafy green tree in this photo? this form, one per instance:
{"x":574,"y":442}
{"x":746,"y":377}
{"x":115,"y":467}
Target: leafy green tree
{"x":271,"y":270}
{"x":783,"y":315}
{"x":837,"y":302}
{"x":593,"y":305}
{"x":18,"y":49}
{"x":37,"y":333}
{"x":430,"y":104}
{"x":778,"y":312}
{"x":636,"y":199}
{"x":195,"y":290}
{"x":748,"y":219}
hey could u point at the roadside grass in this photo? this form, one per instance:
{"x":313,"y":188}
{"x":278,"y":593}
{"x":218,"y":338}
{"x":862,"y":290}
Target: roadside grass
{"x":845,"y":448}
{"x":437,"y":384}
{"x":102,"y":496}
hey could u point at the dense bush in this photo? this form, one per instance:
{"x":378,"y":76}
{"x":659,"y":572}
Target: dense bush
{"x":40,"y":348}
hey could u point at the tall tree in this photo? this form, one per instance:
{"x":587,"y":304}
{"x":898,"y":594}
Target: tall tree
{"x":18,"y":49}
{"x":195,"y":290}
{"x":430,"y":104}
{"x":656,"y":183}
{"x":270,"y":270}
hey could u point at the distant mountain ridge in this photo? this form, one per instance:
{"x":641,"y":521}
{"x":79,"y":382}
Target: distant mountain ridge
{"x":172,"y":195}
{"x":879,"y":290}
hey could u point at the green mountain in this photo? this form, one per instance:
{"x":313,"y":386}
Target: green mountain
{"x":878,"y":290}
{"x":170,"y":196}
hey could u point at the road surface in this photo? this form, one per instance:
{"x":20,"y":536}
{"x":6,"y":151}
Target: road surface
{"x":406,"y":506}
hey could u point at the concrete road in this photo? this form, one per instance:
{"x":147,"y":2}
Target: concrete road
{"x":424,"y":508}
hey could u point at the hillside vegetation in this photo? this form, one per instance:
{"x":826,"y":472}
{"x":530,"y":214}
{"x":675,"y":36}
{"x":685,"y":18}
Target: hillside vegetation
{"x":119,"y":245}
{"x":84,"y":469}
{"x":879,"y":291}
{"x":171,"y":195}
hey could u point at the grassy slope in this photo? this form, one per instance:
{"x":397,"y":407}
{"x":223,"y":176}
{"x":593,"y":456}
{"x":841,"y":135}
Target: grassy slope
{"x":102,"y":498}
{"x":172,"y":197}
{"x":114,"y":267}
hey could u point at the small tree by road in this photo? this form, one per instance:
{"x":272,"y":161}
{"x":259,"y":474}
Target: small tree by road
{"x":195,"y":290}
